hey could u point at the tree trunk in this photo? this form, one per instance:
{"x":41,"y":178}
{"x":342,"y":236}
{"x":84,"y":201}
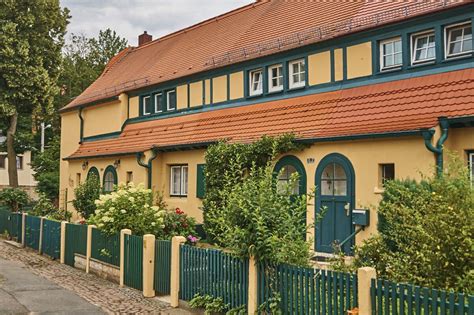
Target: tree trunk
{"x":11,"y":154}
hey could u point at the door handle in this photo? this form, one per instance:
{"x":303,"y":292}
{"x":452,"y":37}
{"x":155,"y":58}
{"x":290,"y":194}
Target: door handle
{"x":347,"y":207}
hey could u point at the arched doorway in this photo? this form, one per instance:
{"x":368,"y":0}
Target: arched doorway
{"x":335,"y":191}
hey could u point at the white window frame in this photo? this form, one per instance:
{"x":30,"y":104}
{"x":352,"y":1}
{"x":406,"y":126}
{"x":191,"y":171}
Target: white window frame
{"x":156,"y":103}
{"x":471,"y":166}
{"x":168,"y":100}
{"x":447,"y":39}
{"x":292,"y":84}
{"x":414,"y":48}
{"x":183,"y":180}
{"x":144,"y":105}
{"x":259,"y":91}
{"x":271,"y":88}
{"x":381,"y":55}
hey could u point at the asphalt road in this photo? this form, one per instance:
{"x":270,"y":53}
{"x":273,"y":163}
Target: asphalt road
{"x":22,"y":292}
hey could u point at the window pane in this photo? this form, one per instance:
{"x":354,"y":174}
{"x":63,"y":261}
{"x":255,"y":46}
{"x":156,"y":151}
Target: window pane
{"x":175,"y":180}
{"x":431,"y":52}
{"x":158,"y":103}
{"x":109,"y":181}
{"x":422,"y":42}
{"x":468,"y":32}
{"x":19,"y":162}
{"x":455,"y":48}
{"x":184,"y":186}
{"x":2,"y":161}
{"x":339,"y":172}
{"x":456,"y":35}
{"x":146,"y":105}
{"x":467,"y":45}
{"x":388,"y":48}
{"x":171,"y":100}
{"x":328,"y":172}
{"x":340,"y":188}
{"x":327,"y":187}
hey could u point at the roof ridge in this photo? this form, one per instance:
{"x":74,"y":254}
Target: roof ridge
{"x":204,"y":22}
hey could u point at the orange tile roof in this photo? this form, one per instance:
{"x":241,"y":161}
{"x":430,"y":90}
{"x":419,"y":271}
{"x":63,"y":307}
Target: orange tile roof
{"x":188,"y":51}
{"x":404,"y":105}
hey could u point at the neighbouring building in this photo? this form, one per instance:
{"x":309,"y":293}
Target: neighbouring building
{"x":379,"y":90}
{"x":26,"y":180}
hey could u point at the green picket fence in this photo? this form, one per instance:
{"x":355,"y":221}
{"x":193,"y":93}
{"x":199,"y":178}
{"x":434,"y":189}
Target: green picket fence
{"x":106,"y":248}
{"x":51,"y":242}
{"x":32,"y":231}
{"x":213,"y":272}
{"x":306,"y":290}
{"x":10,"y":223}
{"x":76,"y":241}
{"x":133,"y":261}
{"x":399,"y":299}
{"x":162,"y":277}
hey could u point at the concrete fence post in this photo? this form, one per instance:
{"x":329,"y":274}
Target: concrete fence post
{"x":62,"y":256}
{"x":148,"y":265}
{"x":122,"y":254}
{"x":40,"y":250}
{"x":364,"y":277}
{"x":253,"y":286}
{"x":89,"y":246}
{"x":23,"y":229}
{"x":176,"y":242}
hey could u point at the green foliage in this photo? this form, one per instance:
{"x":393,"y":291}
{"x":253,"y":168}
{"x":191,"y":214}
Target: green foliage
{"x":226,"y":166}
{"x":210,"y":304}
{"x":177,"y":223}
{"x":259,"y":220}
{"x":46,"y":167}
{"x":130,"y":207}
{"x":14,"y":198}
{"x":85,"y":196}
{"x":427,"y":232}
{"x":44,"y":208}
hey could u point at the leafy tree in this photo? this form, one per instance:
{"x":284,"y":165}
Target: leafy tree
{"x":46,"y":167}
{"x":86,"y":195}
{"x":426,"y":232}
{"x":31,"y":39}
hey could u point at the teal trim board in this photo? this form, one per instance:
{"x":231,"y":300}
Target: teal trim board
{"x":103,"y":136}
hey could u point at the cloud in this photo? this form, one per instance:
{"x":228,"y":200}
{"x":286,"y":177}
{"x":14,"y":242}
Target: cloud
{"x":131,"y":18}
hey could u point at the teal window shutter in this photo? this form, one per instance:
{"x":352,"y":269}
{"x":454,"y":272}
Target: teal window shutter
{"x":201,"y":181}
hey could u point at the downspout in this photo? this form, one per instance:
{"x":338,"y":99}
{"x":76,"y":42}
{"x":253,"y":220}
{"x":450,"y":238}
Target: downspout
{"x":438,"y":150}
{"x":81,"y":135}
{"x":147,"y":165}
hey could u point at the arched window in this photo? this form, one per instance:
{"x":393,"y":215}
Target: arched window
{"x":110,"y":178}
{"x":93,"y":171}
{"x":285,"y":168}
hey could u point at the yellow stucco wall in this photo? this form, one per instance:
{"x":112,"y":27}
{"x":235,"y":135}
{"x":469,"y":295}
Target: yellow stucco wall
{"x":236,"y":85}
{"x":359,"y":60}
{"x":94,"y":123}
{"x":161,"y":180}
{"x":338,"y":65}
{"x":195,"y":94}
{"x":207,"y":91}
{"x":219,"y":89}
{"x":134,"y":107}
{"x":319,"y":68}
{"x":460,"y":140}
{"x":182,"y":96}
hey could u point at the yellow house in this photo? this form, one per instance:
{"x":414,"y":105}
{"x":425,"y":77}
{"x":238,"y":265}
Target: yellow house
{"x":377,"y":91}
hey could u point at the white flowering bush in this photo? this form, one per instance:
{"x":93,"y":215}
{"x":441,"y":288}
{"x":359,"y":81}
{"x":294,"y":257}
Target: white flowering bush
{"x":129,"y":207}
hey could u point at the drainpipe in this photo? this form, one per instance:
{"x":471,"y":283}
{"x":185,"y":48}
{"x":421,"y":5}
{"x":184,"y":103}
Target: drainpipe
{"x":438,"y":150}
{"x":81,"y":136}
{"x":148,"y":165}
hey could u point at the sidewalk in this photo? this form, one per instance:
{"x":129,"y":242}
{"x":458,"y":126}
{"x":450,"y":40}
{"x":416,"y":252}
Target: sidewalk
{"x":89,"y":292}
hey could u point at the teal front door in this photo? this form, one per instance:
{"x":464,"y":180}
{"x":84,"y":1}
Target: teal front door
{"x":335,"y":197}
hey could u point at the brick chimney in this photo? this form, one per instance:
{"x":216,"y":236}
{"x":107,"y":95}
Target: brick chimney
{"x":144,"y":38}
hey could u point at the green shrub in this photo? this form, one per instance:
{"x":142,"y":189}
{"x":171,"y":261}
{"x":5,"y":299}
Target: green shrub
{"x":259,"y":220}
{"x":427,"y":232}
{"x":210,"y":304}
{"x":129,"y":207}
{"x":177,"y":223}
{"x":14,"y":198}
{"x":85,"y":196}
{"x":45,"y":208}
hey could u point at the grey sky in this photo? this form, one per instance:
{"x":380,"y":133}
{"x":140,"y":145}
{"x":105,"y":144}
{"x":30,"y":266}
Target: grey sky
{"x":131,"y":18}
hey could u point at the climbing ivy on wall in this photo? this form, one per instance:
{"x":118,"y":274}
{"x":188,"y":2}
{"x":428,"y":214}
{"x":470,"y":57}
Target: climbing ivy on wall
{"x":227,"y":165}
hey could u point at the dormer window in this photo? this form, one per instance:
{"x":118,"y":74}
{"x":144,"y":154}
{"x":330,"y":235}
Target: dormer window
{"x":458,"y":40}
{"x":423,"y":47}
{"x":171,"y":100}
{"x":275,"y":78}
{"x":391,"y":53}
{"x":158,"y":103}
{"x":255,"y":80}
{"x":147,"y":107}
{"x":297,"y":73}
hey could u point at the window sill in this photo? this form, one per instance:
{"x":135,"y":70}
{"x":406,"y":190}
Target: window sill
{"x":255,"y":95}
{"x":179,"y":196}
{"x":389,"y":70}
{"x":378,"y":191}
{"x":457,"y":57}
{"x":422,"y":64}
{"x":275,"y":92}
{"x":296,"y":88}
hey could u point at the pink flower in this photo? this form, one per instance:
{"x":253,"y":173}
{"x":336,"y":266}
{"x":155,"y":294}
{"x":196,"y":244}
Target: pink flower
{"x":193,"y":239}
